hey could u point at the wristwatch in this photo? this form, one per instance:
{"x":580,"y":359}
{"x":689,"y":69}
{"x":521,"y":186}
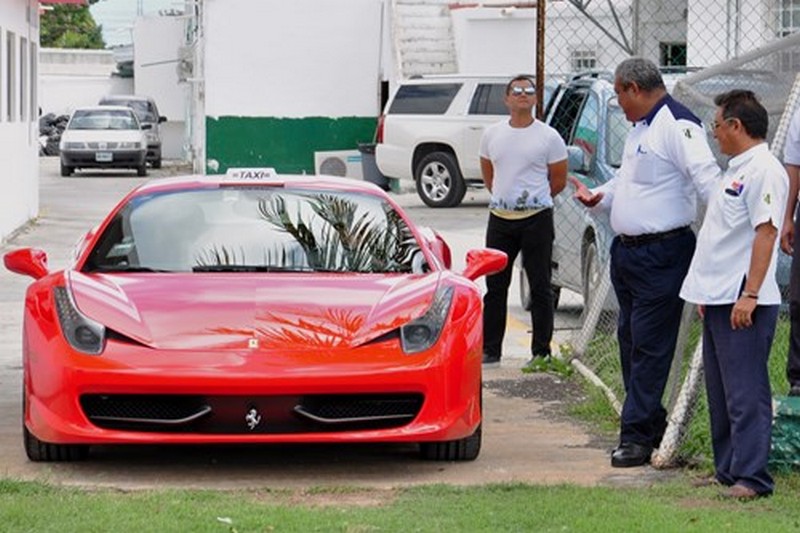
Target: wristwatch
{"x":750,"y":295}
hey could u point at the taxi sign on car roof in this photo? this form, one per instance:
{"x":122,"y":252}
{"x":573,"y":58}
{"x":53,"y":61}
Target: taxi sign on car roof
{"x":251,"y":174}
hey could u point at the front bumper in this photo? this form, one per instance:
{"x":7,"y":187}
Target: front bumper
{"x":103,"y":159}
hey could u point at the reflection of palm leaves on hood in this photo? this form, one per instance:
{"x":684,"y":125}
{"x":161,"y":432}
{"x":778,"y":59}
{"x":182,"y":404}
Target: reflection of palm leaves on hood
{"x":328,"y":329}
{"x":346,"y":241}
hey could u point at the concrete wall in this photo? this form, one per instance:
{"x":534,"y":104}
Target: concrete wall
{"x":286,"y":79}
{"x":156,"y":44}
{"x":19,"y":179}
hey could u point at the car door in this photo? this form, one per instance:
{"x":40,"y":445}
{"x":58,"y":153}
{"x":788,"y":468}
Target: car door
{"x":575,"y":117}
{"x":486,"y":107}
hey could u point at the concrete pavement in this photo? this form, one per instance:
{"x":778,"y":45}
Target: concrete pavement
{"x":526,"y":437}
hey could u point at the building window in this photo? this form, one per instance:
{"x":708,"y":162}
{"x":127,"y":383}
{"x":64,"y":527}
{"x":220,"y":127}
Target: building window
{"x":788,"y":22}
{"x":11,"y":76}
{"x":583,"y":59}
{"x":23,"y":79}
{"x":33,"y":98}
{"x":672,"y":54}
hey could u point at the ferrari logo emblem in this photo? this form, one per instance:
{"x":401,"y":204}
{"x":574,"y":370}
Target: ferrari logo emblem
{"x":253,"y":419}
{"x":252,"y":344}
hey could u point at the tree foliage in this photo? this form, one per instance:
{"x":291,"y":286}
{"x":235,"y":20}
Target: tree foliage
{"x":70,"y":26}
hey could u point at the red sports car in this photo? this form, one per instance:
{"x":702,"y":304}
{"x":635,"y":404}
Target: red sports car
{"x":254,"y":308}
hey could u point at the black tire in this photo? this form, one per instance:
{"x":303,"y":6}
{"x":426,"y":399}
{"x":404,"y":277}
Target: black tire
{"x":66,"y":171}
{"x":141,"y":171}
{"x":40,"y":451}
{"x":156,"y":164}
{"x":439,"y":181}
{"x":466,"y":449}
{"x":590,"y":275}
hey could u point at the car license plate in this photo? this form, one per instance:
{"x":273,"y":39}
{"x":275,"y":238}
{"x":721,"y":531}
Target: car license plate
{"x":103,"y":157}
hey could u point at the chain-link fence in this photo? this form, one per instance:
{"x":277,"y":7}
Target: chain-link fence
{"x":705,"y":48}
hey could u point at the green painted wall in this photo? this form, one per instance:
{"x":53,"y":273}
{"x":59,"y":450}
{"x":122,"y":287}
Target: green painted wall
{"x":286,"y":144}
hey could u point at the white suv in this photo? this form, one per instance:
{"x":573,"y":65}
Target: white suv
{"x":431,"y":130}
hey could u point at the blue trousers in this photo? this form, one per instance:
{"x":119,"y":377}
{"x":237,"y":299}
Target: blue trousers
{"x":739,"y":395}
{"x":533,"y":236}
{"x":647,"y":280}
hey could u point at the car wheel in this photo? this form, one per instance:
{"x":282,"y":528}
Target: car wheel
{"x":156,"y":163}
{"x":466,"y":449}
{"x":439,"y":182}
{"x":590,"y":275}
{"x":40,"y":451}
{"x":66,"y":171}
{"x":141,"y":170}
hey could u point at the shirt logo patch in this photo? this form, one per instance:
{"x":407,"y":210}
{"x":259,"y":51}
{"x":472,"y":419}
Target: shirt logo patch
{"x":640,"y":150}
{"x":688,"y":133}
{"x":767,"y":199}
{"x":735,"y":188}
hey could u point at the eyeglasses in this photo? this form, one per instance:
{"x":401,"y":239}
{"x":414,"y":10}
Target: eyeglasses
{"x":715,"y":124}
{"x":519,"y":91}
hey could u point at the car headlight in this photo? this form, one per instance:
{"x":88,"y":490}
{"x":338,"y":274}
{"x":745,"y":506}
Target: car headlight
{"x":73,"y":146}
{"x":130,"y":145}
{"x":82,"y":333}
{"x":422,"y":333}
{"x":151,"y":136}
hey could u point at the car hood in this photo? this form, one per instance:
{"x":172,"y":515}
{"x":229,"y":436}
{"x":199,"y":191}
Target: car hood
{"x":222,"y":311}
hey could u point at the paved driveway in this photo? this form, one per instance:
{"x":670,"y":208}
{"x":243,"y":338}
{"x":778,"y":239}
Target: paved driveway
{"x":527,"y":437}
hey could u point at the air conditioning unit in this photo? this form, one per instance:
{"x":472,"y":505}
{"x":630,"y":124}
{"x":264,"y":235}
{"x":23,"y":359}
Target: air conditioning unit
{"x":339,"y":163}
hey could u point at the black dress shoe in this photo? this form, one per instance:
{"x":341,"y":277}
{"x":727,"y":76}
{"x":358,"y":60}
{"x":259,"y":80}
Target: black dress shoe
{"x":490,"y":360}
{"x":630,"y":454}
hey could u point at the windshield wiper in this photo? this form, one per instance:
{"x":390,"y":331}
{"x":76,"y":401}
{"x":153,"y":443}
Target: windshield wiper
{"x":251,"y":268}
{"x":127,"y":268}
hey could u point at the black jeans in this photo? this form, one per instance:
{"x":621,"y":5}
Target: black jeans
{"x":533,"y":236}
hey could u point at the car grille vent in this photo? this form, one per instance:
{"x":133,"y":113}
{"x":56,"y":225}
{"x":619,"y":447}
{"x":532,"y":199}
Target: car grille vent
{"x":241,"y":415}
{"x":106,"y":146}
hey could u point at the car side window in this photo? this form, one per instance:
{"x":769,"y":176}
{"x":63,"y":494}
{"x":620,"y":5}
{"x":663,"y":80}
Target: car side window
{"x":585,"y":134}
{"x":489,"y":99}
{"x":617,"y":129}
{"x":424,"y":99}
{"x":566,"y":113}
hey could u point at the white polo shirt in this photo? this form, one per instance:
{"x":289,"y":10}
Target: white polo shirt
{"x":520,"y":157}
{"x":666,"y":161}
{"x":752,"y":192}
{"x":791,"y":150}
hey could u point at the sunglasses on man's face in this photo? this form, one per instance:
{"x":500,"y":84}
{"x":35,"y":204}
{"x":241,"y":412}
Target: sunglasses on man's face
{"x":518,"y":91}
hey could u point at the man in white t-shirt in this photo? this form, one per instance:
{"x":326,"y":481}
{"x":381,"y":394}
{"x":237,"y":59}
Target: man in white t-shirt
{"x":524,"y":164}
{"x":732,"y":276}
{"x":791,"y":229}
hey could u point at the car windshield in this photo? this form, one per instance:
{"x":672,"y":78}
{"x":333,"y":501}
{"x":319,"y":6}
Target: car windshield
{"x":111,"y":119}
{"x":253,"y":229}
{"x":618,"y":128}
{"x":144,"y":111}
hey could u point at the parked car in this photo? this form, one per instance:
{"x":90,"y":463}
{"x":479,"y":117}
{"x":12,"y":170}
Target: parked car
{"x":147,"y":111}
{"x":103,"y":137}
{"x":253,"y":307}
{"x":430,"y":133}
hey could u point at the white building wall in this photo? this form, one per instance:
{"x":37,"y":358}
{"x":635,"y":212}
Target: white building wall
{"x":19,"y":179}
{"x":76,"y":78}
{"x":157,"y":41}
{"x":267,"y":60}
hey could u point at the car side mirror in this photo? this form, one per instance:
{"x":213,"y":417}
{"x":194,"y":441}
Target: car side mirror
{"x":484,"y":261}
{"x":28,"y":262}
{"x":162,"y":119}
{"x":575,"y":159}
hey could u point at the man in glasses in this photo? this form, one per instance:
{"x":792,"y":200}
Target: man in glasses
{"x":652,"y":204}
{"x":524,"y":164}
{"x":732,"y":276}
{"x":791,"y":231}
